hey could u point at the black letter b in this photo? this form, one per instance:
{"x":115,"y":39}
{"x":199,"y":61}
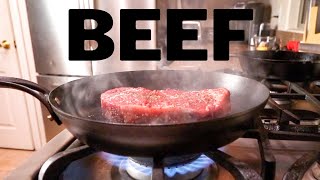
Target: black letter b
{"x":77,"y":34}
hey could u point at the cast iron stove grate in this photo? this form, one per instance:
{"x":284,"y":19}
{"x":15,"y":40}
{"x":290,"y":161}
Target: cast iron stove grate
{"x":291,"y":122}
{"x":73,"y":161}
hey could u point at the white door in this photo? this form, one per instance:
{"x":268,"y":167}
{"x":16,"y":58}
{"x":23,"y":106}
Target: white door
{"x":15,"y":129}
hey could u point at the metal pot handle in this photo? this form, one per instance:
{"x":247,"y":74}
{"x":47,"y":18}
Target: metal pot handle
{"x":31,"y":88}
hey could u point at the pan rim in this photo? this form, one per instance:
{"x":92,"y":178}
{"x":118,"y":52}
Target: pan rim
{"x":68,"y":115}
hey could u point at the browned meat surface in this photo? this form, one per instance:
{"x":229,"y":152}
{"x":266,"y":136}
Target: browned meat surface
{"x":141,"y":105}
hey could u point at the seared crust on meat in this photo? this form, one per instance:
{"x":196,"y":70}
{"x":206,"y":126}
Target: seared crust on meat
{"x":141,"y":105}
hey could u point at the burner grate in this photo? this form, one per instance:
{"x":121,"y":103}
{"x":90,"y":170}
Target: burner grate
{"x":84,"y":163}
{"x":286,"y":121}
{"x":302,"y":165}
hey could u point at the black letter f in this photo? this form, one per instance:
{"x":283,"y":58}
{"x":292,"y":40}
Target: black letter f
{"x":222,"y":34}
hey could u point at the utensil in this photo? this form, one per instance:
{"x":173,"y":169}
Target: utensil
{"x":264,"y":43}
{"x":77,"y":105}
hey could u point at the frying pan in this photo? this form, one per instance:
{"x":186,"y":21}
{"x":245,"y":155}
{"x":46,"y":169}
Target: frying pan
{"x":77,"y":105}
{"x":291,"y":66}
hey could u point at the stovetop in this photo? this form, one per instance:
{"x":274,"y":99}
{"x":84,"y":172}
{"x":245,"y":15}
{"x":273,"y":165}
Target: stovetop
{"x":261,"y":161}
{"x":284,"y":143}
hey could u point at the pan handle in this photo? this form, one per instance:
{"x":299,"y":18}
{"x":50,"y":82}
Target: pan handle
{"x":31,"y":88}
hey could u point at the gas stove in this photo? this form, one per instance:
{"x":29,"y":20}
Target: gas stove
{"x":284,"y":143}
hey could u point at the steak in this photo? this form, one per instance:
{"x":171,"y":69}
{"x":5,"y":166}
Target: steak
{"x":141,"y":105}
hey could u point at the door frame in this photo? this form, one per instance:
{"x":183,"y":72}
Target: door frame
{"x":19,"y":19}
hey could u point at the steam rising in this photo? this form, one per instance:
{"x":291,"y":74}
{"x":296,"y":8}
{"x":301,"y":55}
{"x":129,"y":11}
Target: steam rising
{"x":81,"y":98}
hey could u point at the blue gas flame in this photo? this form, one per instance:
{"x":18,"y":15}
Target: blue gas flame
{"x":194,"y":166}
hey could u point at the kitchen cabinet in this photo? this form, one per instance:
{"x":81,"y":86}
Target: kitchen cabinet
{"x":292,"y":14}
{"x":15,"y":129}
{"x":312,"y":35}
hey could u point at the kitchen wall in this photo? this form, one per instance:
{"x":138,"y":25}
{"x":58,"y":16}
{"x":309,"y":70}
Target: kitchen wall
{"x":286,"y":36}
{"x":214,"y":4}
{"x":275,"y":11}
{"x":289,"y":15}
{"x":200,"y":4}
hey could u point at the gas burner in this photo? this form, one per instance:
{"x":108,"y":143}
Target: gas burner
{"x":186,"y":170}
{"x":168,"y":161}
{"x":84,"y":162}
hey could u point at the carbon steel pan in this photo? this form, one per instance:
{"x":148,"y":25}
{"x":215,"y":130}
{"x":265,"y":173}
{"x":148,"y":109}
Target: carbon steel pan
{"x":77,"y":104}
